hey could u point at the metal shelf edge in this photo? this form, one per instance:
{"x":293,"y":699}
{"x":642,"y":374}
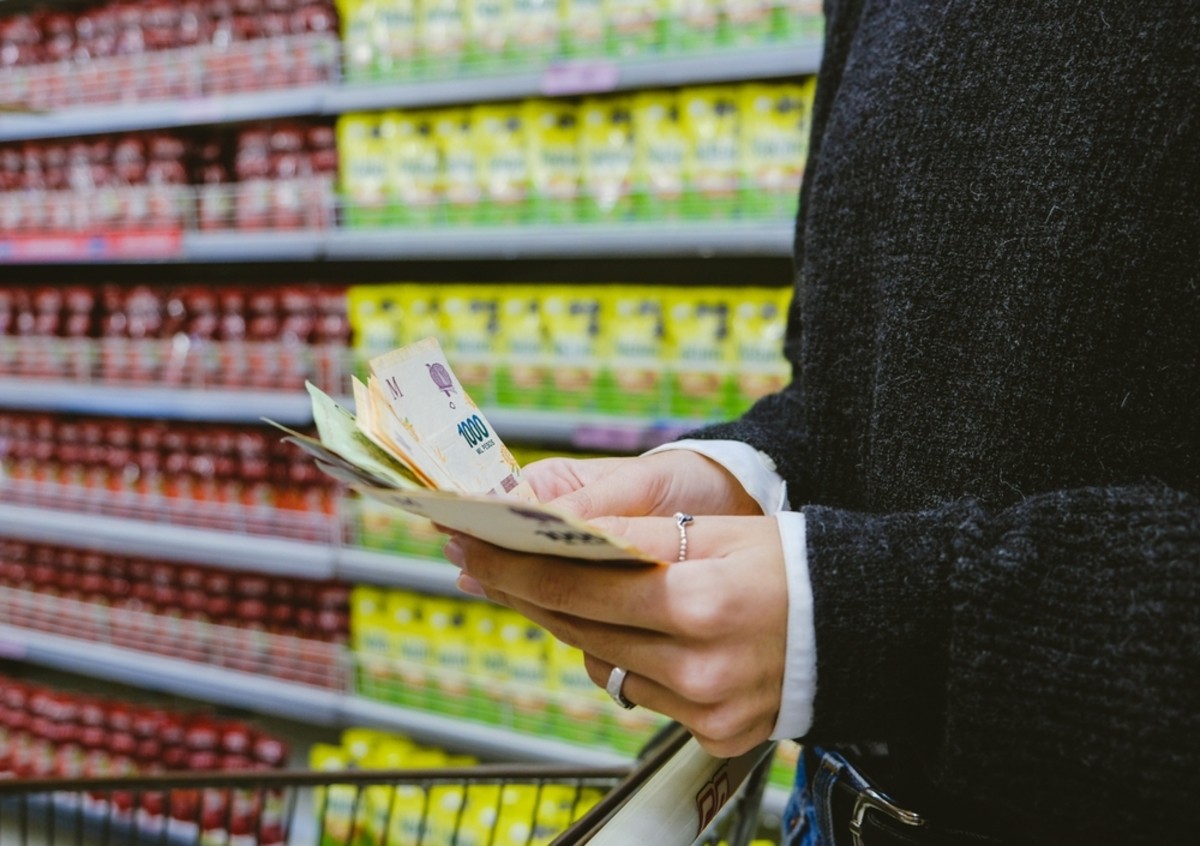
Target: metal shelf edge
{"x":486,"y":741}
{"x":176,"y":543}
{"x":183,"y":678}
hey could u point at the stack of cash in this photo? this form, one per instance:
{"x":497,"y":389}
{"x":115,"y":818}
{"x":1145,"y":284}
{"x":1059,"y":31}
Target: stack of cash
{"x":420,"y":443}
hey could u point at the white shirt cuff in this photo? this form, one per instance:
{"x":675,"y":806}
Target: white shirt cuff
{"x":800,"y":669}
{"x":754,"y":470}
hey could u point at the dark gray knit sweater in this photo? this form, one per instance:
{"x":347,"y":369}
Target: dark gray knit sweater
{"x":994,"y":426}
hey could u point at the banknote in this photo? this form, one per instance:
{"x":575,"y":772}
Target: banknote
{"x":435,"y":414}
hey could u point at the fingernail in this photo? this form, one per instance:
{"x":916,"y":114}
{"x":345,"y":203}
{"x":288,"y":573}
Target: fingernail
{"x":454,"y":552}
{"x":469,"y":585}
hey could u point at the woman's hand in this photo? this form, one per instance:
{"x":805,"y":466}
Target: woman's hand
{"x":703,"y":640}
{"x":662,"y":483}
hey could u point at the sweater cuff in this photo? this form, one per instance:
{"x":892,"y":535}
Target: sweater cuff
{"x":881,"y":606}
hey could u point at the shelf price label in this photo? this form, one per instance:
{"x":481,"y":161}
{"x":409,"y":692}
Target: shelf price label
{"x":97,"y":246}
{"x":562,"y":79}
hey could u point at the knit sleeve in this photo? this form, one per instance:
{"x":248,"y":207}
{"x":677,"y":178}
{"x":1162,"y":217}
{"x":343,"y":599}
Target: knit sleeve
{"x":1046,"y":657}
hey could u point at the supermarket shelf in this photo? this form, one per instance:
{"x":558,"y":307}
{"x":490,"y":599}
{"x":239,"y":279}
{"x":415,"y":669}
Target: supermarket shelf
{"x":274,"y":697}
{"x":173,"y":543}
{"x":567,"y":77}
{"x":228,"y":550}
{"x":120,"y":117}
{"x":182,"y":678}
{"x":234,"y":246}
{"x":486,"y":741}
{"x":706,"y":239}
{"x":586,"y":76}
{"x":230,"y":406}
{"x":585,"y":431}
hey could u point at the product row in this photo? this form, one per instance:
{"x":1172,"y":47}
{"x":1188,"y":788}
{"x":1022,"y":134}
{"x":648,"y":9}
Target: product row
{"x":128,"y":52}
{"x":54,"y":733}
{"x":406,"y":39}
{"x":685,"y":353}
{"x":237,"y":336}
{"x":269,"y":176}
{"x":727,"y":151}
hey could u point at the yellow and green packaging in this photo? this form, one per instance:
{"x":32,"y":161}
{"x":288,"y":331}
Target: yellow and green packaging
{"x":571,"y":315}
{"x":798,"y":19}
{"x":413,"y":171}
{"x":691,"y":24}
{"x":489,"y":33}
{"x":552,"y":139}
{"x":442,"y":34}
{"x":396,"y":39}
{"x":362,"y":167}
{"x":536,"y":29}
{"x":698,"y":352}
{"x":581,"y":708}
{"x":411,"y":647}
{"x":633,"y":348}
{"x":710,"y":119}
{"x":774,"y":145}
{"x":370,"y":640}
{"x":748,"y":21}
{"x":488,"y":663}
{"x":450,"y":655}
{"x":522,"y":352}
{"x":418,"y":315}
{"x":660,"y":158}
{"x":757,"y":330}
{"x":460,"y":188}
{"x":372,"y":311}
{"x":528,"y":681}
{"x":469,"y":320}
{"x":500,"y":142}
{"x":584,"y":28}
{"x":633,"y":26}
{"x":607,"y":154}
{"x":357,"y":19}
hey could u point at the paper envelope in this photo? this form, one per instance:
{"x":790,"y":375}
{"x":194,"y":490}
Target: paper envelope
{"x":511,"y":523}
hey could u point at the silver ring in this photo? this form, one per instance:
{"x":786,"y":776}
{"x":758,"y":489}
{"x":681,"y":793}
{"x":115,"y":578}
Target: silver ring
{"x":616,"y":681}
{"x":683,"y":520}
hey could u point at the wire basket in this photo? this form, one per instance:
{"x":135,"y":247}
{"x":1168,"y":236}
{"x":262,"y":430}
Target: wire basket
{"x":481,"y":805}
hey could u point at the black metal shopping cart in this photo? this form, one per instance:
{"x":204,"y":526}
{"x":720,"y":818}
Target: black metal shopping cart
{"x":673,"y":794}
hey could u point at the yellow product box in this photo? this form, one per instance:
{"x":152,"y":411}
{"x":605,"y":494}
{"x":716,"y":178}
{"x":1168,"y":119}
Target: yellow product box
{"x":357,"y":19}
{"x":469,"y":320}
{"x":450,"y":654}
{"x":407,"y":816}
{"x":582,"y":709}
{"x":710,"y":119}
{"x":370,"y":640}
{"x":756,"y":334}
{"x":502,"y":159}
{"x":748,"y":21}
{"x":411,"y":647}
{"x":527,"y":684}
{"x":460,"y":188}
{"x":489,"y":33}
{"x":442,"y":34}
{"x":338,"y":802}
{"x":537,"y":25}
{"x":372,"y":311}
{"x":698,"y":352}
{"x":691,"y":24}
{"x":522,"y":352}
{"x":607,"y":154}
{"x":798,"y":19}
{"x":552,"y":143}
{"x":584,"y":27}
{"x":660,"y":157}
{"x":488,"y":662}
{"x":362,"y":168}
{"x":396,"y":38}
{"x":413,"y":166}
{"x":633,"y":347}
{"x":571,"y":315}
{"x":386,"y":528}
{"x":418,"y":315}
{"x":633,"y":26}
{"x":774,"y":145}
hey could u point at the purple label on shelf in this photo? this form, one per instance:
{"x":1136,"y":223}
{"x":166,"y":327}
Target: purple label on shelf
{"x":590,"y":77}
{"x":8,"y":649}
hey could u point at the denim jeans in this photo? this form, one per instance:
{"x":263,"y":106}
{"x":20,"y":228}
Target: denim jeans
{"x":800,"y":814}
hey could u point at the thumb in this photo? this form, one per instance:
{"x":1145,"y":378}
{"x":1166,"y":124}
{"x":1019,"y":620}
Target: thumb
{"x":628,"y":493}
